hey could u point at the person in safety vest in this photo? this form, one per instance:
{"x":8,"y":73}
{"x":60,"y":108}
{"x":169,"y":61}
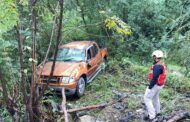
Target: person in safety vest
{"x":157,"y":77}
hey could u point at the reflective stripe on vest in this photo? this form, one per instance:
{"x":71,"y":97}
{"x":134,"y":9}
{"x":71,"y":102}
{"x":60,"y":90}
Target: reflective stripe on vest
{"x":162,"y":77}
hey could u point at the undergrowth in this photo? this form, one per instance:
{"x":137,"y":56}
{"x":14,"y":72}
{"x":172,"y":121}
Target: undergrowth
{"x":130,"y":77}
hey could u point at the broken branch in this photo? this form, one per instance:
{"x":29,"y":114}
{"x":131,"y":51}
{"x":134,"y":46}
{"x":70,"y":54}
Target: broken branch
{"x":63,"y":105}
{"x":179,"y":117}
{"x":86,"y":108}
{"x":92,"y":107}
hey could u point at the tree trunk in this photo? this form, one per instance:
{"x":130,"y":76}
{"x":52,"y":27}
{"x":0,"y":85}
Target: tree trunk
{"x":34,"y":113}
{"x":23,"y":81}
{"x":58,"y":39}
{"x":46,"y":56}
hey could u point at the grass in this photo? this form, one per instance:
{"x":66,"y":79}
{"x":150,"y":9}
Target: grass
{"x":129,"y":78}
{"x":99,"y":91}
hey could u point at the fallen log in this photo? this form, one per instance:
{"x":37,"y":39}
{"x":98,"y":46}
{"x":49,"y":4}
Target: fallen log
{"x":86,"y":108}
{"x":179,"y":117}
{"x":91,"y":107}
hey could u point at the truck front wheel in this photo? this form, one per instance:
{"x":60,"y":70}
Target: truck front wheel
{"x":80,"y":87}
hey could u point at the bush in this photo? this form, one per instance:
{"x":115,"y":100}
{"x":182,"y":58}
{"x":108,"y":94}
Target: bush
{"x":177,"y":83}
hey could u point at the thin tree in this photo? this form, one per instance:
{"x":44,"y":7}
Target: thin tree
{"x":33,"y":103}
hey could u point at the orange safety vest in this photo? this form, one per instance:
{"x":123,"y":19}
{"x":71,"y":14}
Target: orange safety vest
{"x":162,"y":77}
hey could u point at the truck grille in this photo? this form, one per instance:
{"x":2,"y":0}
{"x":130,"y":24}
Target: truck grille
{"x":53,"y":79}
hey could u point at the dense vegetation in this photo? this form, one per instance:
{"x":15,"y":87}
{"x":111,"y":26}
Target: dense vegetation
{"x":130,"y":29}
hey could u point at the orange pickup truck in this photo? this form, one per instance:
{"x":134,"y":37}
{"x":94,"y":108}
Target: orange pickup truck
{"x":77,"y":63}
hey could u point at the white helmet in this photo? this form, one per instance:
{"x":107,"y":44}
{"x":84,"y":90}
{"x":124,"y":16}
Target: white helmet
{"x":158,"y":54}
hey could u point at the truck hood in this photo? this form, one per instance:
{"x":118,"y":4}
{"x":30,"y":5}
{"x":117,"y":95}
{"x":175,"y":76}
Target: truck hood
{"x":61,"y":68}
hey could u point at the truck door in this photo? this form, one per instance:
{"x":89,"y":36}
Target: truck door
{"x":91,"y":62}
{"x":97,"y":55}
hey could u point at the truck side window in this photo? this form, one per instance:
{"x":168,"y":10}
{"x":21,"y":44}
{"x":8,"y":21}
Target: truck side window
{"x":95,"y":50}
{"x":89,"y":56}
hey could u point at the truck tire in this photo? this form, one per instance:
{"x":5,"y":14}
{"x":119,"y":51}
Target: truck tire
{"x":104,"y":64}
{"x":80,"y":87}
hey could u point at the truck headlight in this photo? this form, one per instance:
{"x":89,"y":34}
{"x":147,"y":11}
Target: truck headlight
{"x":67,"y":79}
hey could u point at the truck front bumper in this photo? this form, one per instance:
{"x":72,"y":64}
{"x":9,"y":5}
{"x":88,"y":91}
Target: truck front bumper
{"x":58,"y":90}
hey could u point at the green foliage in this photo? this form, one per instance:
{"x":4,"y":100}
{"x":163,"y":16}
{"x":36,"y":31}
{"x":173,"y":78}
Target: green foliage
{"x":178,"y":83}
{"x":73,"y":29}
{"x":130,"y":30}
{"x":126,"y":62}
{"x":118,"y":25}
{"x":180,"y":51}
{"x":4,"y":113}
{"x":133,"y":104}
{"x":141,"y":70}
{"x":8,"y":16}
{"x":5,"y":48}
{"x":167,"y":94}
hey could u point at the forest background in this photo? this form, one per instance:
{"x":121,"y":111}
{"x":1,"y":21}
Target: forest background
{"x":130,"y":29}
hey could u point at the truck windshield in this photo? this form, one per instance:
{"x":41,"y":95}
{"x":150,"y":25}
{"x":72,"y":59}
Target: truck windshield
{"x":69,"y":54}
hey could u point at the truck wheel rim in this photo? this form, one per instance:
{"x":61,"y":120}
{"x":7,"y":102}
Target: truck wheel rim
{"x":81,"y":86}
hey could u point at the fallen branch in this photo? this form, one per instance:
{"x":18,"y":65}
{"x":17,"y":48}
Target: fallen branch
{"x":86,"y":108}
{"x":179,"y":117}
{"x":92,"y":107}
{"x":63,"y":105}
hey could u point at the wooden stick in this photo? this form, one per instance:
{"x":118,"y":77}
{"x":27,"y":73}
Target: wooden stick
{"x":179,"y":116}
{"x":63,"y":105}
{"x":86,"y":108}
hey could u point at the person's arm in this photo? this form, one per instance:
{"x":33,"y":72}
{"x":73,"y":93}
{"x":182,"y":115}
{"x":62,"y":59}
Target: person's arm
{"x":157,"y":70}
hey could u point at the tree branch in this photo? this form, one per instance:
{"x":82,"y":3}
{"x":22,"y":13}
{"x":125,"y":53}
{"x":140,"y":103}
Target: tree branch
{"x":50,"y":8}
{"x":95,"y":106}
